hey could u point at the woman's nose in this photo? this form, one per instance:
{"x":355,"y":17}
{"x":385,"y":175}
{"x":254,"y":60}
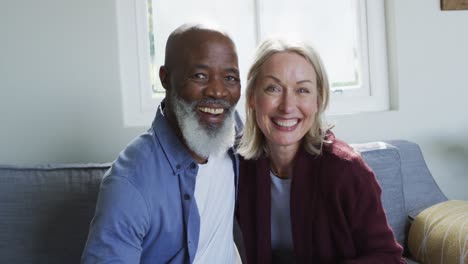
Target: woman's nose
{"x":287,"y":102}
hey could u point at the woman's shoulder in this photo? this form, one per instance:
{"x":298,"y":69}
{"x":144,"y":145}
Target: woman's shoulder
{"x":338,"y":150}
{"x":342,"y":163}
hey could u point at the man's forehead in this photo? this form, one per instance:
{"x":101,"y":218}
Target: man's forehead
{"x":196,"y":44}
{"x":197,"y":38}
{"x":207,"y":46}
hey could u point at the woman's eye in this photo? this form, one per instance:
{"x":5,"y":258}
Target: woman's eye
{"x":272,"y":88}
{"x":303,"y":90}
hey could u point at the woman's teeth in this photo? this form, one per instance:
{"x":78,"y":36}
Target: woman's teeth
{"x":286,"y":123}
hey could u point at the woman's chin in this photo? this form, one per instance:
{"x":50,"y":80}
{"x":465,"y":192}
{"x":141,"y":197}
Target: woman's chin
{"x":284,"y":142}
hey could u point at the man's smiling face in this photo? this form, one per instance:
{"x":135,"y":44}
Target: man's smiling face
{"x":201,"y":78}
{"x":207,"y":76}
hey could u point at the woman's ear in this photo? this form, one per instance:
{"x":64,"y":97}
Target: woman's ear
{"x":251,"y":101}
{"x":164,"y":77}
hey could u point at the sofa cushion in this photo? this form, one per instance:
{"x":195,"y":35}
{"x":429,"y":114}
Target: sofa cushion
{"x":46,"y":210}
{"x":439,"y":233}
{"x":384,"y":160}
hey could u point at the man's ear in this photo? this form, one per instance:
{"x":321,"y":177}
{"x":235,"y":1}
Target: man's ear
{"x":164,"y":77}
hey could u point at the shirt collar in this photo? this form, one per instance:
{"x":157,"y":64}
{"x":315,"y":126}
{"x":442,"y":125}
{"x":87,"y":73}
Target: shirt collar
{"x":176,"y":153}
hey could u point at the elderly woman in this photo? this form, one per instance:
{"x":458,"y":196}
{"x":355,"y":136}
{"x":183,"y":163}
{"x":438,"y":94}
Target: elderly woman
{"x":304,"y":195}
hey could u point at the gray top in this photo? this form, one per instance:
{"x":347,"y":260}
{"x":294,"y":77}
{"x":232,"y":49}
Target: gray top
{"x":281,"y":235}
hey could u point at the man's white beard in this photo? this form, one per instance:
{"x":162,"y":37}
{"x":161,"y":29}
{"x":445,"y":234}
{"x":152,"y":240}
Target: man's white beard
{"x":203,"y":140}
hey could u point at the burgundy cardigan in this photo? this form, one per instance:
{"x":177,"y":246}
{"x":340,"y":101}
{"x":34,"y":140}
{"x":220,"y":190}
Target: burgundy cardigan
{"x":336,"y":211}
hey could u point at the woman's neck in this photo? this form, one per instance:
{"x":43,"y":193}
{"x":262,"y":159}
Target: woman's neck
{"x":282,"y":160}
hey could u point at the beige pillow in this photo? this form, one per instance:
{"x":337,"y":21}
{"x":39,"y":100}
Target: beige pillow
{"x":439,"y":234}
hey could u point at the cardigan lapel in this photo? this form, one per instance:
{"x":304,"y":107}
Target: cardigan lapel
{"x":264,"y":211}
{"x":304,"y":198}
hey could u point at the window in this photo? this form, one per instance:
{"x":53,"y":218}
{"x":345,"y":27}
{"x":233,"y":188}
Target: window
{"x":349,"y":35}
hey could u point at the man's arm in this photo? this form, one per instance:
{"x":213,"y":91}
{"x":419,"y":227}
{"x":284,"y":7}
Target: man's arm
{"x":119,"y":224}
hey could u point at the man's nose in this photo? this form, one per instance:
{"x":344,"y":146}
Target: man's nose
{"x":216,"y":88}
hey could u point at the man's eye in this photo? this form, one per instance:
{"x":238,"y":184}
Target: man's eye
{"x":232,"y":78}
{"x":199,"y":76}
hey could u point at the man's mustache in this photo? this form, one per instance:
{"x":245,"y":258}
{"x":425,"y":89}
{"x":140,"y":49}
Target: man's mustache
{"x":211,"y":101}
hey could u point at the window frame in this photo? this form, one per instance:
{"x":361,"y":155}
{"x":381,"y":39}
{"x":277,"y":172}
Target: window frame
{"x":140,"y":104}
{"x":378,"y":97}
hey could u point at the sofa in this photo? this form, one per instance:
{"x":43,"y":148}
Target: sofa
{"x":45,"y":210}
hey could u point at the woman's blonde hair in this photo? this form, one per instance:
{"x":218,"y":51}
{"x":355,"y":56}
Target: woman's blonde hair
{"x":252,"y":143}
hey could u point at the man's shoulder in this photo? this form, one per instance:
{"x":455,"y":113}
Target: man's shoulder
{"x":140,"y":153}
{"x":141,"y":149}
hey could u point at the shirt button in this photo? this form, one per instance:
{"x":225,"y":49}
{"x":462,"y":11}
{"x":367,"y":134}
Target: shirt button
{"x":193,"y":166}
{"x":186,"y":197}
{"x":177,"y":166}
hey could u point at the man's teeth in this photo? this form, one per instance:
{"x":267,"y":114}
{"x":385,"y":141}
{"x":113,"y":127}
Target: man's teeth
{"x":286,"y":123}
{"x":213,"y":111}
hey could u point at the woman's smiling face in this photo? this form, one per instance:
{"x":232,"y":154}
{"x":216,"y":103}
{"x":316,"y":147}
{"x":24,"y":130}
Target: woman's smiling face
{"x":285,"y":99}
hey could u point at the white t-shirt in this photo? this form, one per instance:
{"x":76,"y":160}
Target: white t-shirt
{"x":215,"y":195}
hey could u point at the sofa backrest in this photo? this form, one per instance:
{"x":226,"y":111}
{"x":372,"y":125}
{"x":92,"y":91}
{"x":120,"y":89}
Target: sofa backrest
{"x":384,"y":160}
{"x":407,"y":184}
{"x":420,"y":189}
{"x":45,"y":211}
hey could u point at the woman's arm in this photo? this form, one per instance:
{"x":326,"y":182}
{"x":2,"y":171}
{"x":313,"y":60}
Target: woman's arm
{"x":373,"y":237}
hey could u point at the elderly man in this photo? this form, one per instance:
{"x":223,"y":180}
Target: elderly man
{"x":169,"y":197}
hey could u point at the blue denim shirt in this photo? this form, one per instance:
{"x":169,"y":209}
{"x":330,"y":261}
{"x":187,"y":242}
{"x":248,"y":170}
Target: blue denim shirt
{"x":146,"y":211}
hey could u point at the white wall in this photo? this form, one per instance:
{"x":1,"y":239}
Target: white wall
{"x":60,"y":99}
